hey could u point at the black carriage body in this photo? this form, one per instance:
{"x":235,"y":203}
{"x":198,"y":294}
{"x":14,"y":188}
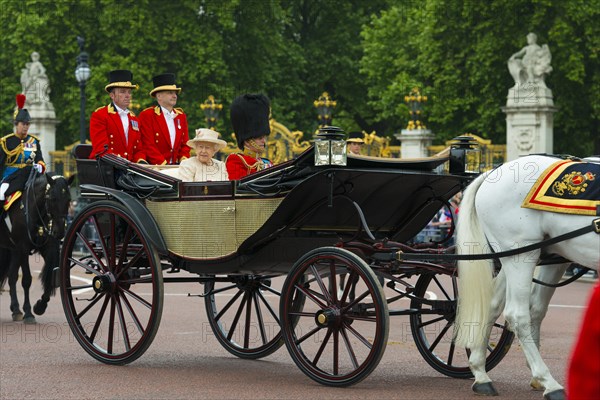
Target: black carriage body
{"x":266,"y":221}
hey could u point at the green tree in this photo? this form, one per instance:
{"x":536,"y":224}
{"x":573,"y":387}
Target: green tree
{"x":456,"y":52}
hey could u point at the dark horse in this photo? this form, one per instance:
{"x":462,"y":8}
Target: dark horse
{"x":36,"y":223}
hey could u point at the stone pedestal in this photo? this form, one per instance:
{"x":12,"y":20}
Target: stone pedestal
{"x":529,"y":120}
{"x":415,"y":142}
{"x":43,"y":125}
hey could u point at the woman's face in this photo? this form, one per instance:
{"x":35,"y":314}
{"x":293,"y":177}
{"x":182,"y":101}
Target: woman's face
{"x":205,"y":152}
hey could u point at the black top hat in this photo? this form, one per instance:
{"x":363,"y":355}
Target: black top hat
{"x":164,"y":82}
{"x":120,"y":78}
{"x":21,"y":114}
{"x":355,"y":137}
{"x":249,"y":115}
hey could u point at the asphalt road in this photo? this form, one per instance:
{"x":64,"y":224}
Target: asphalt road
{"x":185,"y":361}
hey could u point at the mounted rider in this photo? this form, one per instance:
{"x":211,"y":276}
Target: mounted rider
{"x":19,"y":153}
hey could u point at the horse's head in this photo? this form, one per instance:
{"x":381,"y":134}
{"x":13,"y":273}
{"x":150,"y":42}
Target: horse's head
{"x":58,"y":198}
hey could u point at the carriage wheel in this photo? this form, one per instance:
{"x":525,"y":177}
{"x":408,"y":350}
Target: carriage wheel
{"x":336,"y":336}
{"x":243,"y":313}
{"x":111,"y":284}
{"x":432,"y":328}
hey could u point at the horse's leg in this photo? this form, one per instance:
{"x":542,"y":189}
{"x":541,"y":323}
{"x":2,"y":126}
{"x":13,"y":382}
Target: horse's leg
{"x":13,"y":277}
{"x":483,"y":383}
{"x":540,"y":299}
{"x":517,"y":312}
{"x":50,"y":254}
{"x":26,"y":283}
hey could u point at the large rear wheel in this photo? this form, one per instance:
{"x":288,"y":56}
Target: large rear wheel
{"x":111,"y":284}
{"x":336,"y":336}
{"x":433,"y":327}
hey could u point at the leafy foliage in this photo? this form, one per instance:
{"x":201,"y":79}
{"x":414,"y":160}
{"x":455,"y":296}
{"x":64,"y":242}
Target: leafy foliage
{"x":366,"y":54}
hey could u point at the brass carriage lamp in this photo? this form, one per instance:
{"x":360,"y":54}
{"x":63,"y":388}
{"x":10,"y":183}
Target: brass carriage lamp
{"x":330,"y":146}
{"x":465,"y":156}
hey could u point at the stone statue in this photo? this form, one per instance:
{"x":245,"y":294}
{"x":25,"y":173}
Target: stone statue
{"x":35,"y":81}
{"x":530,"y":64}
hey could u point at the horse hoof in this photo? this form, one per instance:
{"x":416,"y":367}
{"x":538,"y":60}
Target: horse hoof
{"x":40,"y":307}
{"x":535,"y":385}
{"x":17,"y":317}
{"x":29,"y":320}
{"x":485,"y":389}
{"x":555,"y":395}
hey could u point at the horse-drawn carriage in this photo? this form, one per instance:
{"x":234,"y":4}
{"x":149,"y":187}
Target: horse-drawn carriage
{"x":333,"y":229}
{"x":294,"y":254}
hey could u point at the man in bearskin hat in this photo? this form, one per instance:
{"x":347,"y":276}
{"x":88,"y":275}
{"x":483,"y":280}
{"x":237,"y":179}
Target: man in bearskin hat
{"x":115,"y":127}
{"x":19,"y":153}
{"x":164,"y":127}
{"x":355,"y":142}
{"x":250,"y":119}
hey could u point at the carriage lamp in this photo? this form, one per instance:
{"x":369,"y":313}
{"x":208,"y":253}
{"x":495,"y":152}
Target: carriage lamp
{"x":330,"y":146}
{"x":465,"y":156}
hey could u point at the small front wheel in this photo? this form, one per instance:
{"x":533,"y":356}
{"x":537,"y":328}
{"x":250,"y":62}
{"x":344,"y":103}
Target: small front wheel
{"x":335,"y":335}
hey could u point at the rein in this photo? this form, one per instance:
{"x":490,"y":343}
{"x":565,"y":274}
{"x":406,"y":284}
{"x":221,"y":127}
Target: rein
{"x":593,"y":227}
{"x":30,"y":185}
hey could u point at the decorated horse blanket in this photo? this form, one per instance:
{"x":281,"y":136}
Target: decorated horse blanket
{"x":569,"y":187}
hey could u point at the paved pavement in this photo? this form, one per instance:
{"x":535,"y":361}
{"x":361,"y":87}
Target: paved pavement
{"x":185,"y":361}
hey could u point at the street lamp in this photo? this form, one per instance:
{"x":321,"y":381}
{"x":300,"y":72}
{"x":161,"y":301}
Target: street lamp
{"x":82,"y":74}
{"x":325,"y":105}
{"x":211,"y":111}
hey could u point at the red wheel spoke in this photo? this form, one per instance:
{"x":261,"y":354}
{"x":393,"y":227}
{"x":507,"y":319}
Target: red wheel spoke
{"x":84,"y":266}
{"x":133,"y":315}
{"x":357,"y":335}
{"x":101,"y":238}
{"x":228,"y":305}
{"x":111,"y":326}
{"x":88,"y":245}
{"x":99,"y":318}
{"x":238,"y":314}
{"x":350,"y":349}
{"x":336,"y":352}
{"x":308,"y":335}
{"x":317,"y":357}
{"x":268,"y":306}
{"x":310,"y":295}
{"x":321,"y":284}
{"x":259,"y":317}
{"x":122,"y":322}
{"x":138,"y":298}
{"x":92,"y":303}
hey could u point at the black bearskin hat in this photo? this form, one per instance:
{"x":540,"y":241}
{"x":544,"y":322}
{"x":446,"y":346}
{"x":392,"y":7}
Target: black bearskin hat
{"x":249,"y":115}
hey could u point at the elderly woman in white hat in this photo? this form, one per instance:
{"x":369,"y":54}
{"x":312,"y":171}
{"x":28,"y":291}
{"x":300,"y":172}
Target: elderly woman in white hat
{"x":204,"y":167}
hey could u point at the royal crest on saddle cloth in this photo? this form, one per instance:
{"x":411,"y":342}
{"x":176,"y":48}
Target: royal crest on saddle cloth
{"x":568,"y":187}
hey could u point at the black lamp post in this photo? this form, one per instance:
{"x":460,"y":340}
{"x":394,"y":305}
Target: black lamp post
{"x":82,"y":74}
{"x":211,"y":111}
{"x":325,"y":106}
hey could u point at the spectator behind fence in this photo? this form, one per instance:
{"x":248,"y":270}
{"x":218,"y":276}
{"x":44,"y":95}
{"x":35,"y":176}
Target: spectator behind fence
{"x":204,"y":167}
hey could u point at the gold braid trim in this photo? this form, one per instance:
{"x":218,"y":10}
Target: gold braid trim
{"x":11,"y":155}
{"x":250,"y":167}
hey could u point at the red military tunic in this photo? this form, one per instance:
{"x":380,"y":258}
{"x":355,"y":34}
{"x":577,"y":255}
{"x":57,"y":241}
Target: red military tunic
{"x":240,"y":165}
{"x":156,"y":138}
{"x":585,"y":359}
{"x":106,"y":129}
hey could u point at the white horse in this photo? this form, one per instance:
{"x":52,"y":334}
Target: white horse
{"x":491,"y":217}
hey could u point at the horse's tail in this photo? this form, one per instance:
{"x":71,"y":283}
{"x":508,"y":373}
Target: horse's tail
{"x":475,"y":281}
{"x":51,"y":255}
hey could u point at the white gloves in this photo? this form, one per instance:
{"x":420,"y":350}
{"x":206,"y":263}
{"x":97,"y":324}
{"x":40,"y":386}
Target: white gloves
{"x":38,"y":167}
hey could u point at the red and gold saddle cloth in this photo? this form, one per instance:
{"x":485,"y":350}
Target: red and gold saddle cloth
{"x":568,"y":187}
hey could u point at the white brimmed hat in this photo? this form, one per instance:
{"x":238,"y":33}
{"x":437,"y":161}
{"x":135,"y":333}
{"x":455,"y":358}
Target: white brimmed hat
{"x":207,"y":135}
